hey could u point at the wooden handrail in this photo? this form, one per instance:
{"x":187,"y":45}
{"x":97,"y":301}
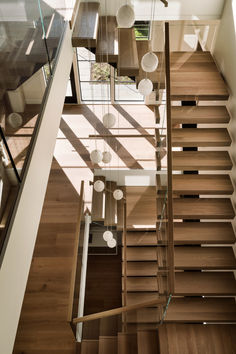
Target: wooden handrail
{"x":171,"y":278}
{"x":74,"y":14}
{"x":119,"y":310}
{"x":125,"y":260}
{"x":75,"y":255}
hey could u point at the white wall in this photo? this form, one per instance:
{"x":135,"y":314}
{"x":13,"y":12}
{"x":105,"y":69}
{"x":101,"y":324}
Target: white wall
{"x":184,"y":35}
{"x":225,"y":55}
{"x":177,"y":9}
{"x":34,"y":88}
{"x":19,"y":251}
{"x":129,"y":177}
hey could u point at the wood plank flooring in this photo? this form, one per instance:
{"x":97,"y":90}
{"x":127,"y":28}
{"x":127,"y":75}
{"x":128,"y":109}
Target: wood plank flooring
{"x":43,"y":326}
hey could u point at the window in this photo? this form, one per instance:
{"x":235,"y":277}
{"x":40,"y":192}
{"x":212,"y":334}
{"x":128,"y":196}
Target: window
{"x":95,"y":81}
{"x":125,"y":89}
{"x":94,"y":77}
{"x":142,"y":30}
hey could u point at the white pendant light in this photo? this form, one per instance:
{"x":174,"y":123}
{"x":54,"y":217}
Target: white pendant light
{"x":118,"y":194}
{"x":145,"y":87}
{"x":106,"y":157}
{"x":109,"y":120}
{"x":107,"y":236}
{"x":111,"y":243}
{"x":125,"y":16}
{"x":99,"y":186}
{"x":96,"y":156}
{"x":149,"y":62}
{"x":15,"y":120}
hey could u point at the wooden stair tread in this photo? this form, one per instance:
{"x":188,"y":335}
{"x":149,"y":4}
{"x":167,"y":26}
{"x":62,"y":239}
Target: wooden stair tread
{"x":203,"y":208}
{"x":201,"y":160}
{"x":107,"y":40}
{"x":203,"y":232}
{"x":89,"y":346}
{"x":194,"y":76}
{"x":199,"y":114}
{"x":198,"y":86}
{"x":145,"y":315}
{"x":204,"y":257}
{"x":181,"y":60}
{"x":128,"y":64}
{"x":148,"y":342}
{"x":135,"y":327}
{"x":141,"y":268}
{"x":179,"y":338}
{"x":190,"y":309}
{"x":141,"y":238}
{"x":202,"y":184}
{"x":107,"y":345}
{"x":110,"y":204}
{"x":200,"y":137}
{"x":127,"y":343}
{"x":86,"y":25}
{"x":98,"y":200}
{"x":205,"y":283}
{"x":137,"y":298}
{"x":143,"y":284}
{"x":141,"y":254}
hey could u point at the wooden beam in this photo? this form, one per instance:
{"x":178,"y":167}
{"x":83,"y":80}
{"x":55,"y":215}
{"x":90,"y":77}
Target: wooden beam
{"x":120,"y":310}
{"x":93,"y":136}
{"x":125,"y":261}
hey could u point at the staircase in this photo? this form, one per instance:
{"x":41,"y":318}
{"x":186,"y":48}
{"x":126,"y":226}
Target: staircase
{"x":25,"y":53}
{"x":204,"y":260}
{"x":167,"y":339}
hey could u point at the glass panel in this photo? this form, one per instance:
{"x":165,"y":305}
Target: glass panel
{"x":53,"y":26}
{"x":92,"y":71}
{"x":30,"y":31}
{"x":127,"y":92}
{"x":9,"y":186}
{"x":85,"y":54}
{"x":94,"y":91}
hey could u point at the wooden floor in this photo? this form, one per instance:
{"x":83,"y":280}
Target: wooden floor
{"x":43,"y":327}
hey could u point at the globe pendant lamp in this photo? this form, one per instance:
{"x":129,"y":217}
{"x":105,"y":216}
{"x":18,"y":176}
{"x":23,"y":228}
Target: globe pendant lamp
{"x":96,"y":156}
{"x":15,"y":120}
{"x":145,"y":87}
{"x":109,"y":120}
{"x":106,"y":157}
{"x":111,"y":243}
{"x":99,"y":186}
{"x":107,"y":236}
{"x":118,"y":194}
{"x":149,"y":62}
{"x":125,"y":16}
